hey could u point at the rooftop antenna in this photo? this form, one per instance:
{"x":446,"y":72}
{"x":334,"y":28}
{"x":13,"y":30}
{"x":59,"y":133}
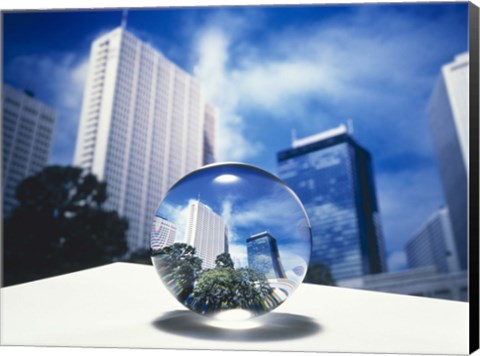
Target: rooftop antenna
{"x":350,"y":126}
{"x":124,"y":19}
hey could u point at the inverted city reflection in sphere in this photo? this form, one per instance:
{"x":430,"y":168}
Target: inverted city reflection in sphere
{"x":231,"y":241}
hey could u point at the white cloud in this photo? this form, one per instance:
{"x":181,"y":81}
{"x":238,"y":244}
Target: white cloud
{"x":76,"y":82}
{"x":376,"y":66}
{"x":211,"y":70}
{"x":362,"y":63}
{"x":59,"y":82}
{"x":178,"y":215}
{"x":276,"y":212}
{"x":62,"y":78}
{"x":238,"y":252}
{"x":406,"y":200}
{"x":273,"y":211}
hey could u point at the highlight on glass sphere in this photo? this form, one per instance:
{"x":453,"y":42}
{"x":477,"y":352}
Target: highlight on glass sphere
{"x":231,"y":239}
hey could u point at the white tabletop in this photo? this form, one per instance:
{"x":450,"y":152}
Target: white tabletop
{"x":126,"y":305}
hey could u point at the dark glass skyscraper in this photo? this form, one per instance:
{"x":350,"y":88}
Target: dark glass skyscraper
{"x":333,"y":177}
{"x":263,"y":255}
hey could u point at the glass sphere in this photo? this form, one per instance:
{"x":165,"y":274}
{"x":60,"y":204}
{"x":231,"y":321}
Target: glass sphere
{"x":231,"y":241}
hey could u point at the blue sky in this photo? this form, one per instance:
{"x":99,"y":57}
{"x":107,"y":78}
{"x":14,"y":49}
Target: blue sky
{"x":273,"y":69}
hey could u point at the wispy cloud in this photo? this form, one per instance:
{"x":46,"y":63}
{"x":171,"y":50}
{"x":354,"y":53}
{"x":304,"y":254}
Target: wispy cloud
{"x":238,"y":252}
{"x":211,"y":70}
{"x":406,"y":200}
{"x":277,"y":211}
{"x":178,"y":215}
{"x":376,"y":65}
{"x":57,"y":80}
{"x":397,"y":261}
{"x":350,"y":66}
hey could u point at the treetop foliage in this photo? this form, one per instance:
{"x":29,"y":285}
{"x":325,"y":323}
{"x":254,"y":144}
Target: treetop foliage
{"x":60,"y":226}
{"x":211,"y":290}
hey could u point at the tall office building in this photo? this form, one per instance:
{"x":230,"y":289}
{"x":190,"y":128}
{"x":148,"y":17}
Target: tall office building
{"x":448,"y":112}
{"x":162,"y":234}
{"x":207,"y":232}
{"x":263,"y":255}
{"x":144,"y":124}
{"x":433,"y":244}
{"x":27,"y":138}
{"x":333,"y":177}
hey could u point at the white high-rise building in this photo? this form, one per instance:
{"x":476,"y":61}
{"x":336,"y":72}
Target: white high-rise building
{"x":207,"y":232}
{"x":144,"y":124}
{"x":433,"y":244}
{"x":27,"y":131}
{"x":162,"y":234}
{"x":448,"y":112}
{"x":455,"y":79}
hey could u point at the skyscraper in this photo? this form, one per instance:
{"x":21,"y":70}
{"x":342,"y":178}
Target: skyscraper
{"x":333,"y":177}
{"x":27,"y":138}
{"x":162,"y":234}
{"x":144,"y":124}
{"x":263,"y":255}
{"x":433,"y":245}
{"x":207,"y":232}
{"x":448,"y":112}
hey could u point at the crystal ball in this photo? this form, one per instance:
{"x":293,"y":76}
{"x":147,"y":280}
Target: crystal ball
{"x":231,"y":240}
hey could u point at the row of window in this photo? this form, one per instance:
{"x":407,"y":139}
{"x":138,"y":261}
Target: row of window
{"x":99,"y":71}
{"x":44,"y":132}
{"x":12,"y":101}
{"x":47,"y":118}
{"x":8,"y":114}
{"x":30,"y":110}
{"x":19,"y":164}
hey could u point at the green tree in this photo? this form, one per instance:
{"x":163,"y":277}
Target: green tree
{"x":179,"y":267}
{"x":60,"y":226}
{"x":319,"y":273}
{"x":224,"y":260}
{"x":259,"y":294}
{"x":225,"y":288}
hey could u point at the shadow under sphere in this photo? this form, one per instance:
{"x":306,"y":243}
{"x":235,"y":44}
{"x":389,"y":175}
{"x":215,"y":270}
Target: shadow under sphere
{"x":273,"y":327}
